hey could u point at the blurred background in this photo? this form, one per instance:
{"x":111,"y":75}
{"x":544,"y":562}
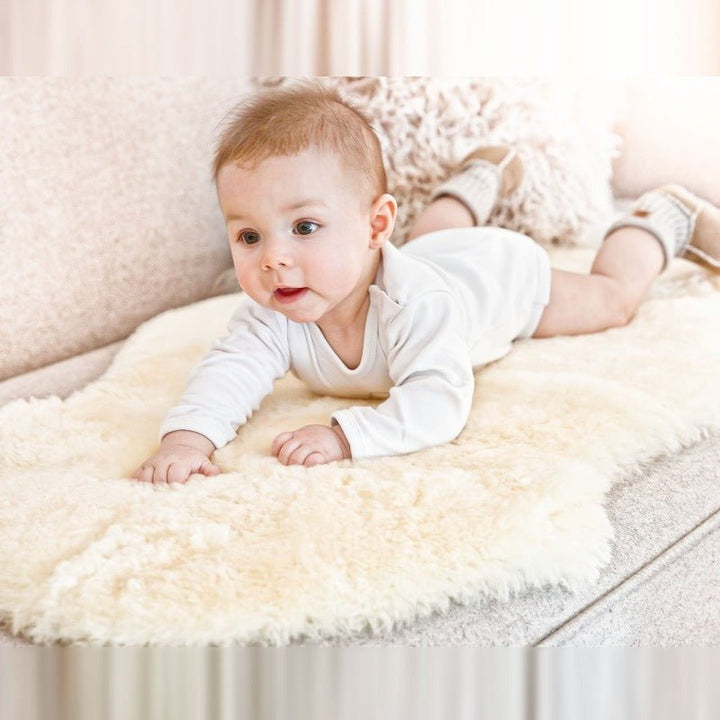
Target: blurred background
{"x":360,"y":37}
{"x":363,"y":683}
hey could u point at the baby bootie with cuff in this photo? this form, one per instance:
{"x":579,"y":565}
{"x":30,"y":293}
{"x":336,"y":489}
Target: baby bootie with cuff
{"x":483,"y":175}
{"x":685,"y":225}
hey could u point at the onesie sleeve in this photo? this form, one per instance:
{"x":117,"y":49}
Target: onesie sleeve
{"x":433,"y":382}
{"x":230,"y":382}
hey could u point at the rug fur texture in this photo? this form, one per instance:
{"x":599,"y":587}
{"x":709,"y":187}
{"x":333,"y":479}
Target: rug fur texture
{"x":265,"y":554}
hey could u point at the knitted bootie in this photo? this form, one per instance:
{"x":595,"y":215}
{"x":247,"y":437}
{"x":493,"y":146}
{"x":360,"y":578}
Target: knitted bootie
{"x":481,"y":176}
{"x":686,"y":226}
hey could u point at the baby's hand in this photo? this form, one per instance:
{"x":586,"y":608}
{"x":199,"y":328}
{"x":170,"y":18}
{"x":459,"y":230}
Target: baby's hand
{"x":181,"y":454}
{"x":311,"y":445}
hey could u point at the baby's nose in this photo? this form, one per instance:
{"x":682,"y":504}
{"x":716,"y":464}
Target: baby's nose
{"x":277,"y":254}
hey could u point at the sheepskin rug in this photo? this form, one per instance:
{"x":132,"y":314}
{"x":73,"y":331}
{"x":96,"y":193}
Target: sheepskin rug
{"x":265,"y":554}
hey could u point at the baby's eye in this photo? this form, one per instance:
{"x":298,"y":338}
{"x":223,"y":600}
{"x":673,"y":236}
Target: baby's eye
{"x":249,"y":237}
{"x":305,"y":227}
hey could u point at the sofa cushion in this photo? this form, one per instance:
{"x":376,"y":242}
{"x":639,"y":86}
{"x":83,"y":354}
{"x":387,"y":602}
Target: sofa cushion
{"x":109,"y":215}
{"x":61,"y":378}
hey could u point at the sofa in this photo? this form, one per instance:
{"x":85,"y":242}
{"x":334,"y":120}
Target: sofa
{"x":110,"y":217}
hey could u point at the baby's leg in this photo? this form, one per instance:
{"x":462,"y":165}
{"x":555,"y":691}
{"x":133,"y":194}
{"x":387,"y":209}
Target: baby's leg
{"x":624,"y":268}
{"x":664,"y":223}
{"x":468,"y":196}
{"x":441,"y":214}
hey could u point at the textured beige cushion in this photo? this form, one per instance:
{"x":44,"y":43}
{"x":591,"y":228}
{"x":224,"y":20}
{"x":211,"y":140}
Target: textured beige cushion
{"x":108,"y":212}
{"x":670,"y":135}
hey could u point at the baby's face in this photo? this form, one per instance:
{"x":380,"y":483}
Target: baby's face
{"x":301,"y":242}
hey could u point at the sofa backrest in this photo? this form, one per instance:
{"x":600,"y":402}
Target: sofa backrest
{"x":108,"y":213}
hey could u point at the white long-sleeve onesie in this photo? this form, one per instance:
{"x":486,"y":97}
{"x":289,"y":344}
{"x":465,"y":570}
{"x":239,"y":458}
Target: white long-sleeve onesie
{"x":442,"y":305}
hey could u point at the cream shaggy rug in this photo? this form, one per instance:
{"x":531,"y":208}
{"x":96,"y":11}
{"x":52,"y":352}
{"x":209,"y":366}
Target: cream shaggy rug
{"x":264,"y":554}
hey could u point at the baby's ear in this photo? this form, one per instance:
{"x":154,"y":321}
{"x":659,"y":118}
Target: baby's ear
{"x":384,"y":211}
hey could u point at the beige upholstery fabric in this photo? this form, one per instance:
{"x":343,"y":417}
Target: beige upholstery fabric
{"x":108,"y":212}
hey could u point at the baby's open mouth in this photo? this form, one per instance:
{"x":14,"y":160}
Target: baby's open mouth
{"x":287,"y":294}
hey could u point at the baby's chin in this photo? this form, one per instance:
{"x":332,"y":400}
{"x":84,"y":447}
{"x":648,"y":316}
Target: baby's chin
{"x":302,"y":310}
{"x":297,"y":316}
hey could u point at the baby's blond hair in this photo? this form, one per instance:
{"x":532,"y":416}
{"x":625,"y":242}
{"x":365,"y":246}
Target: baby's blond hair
{"x":287,"y":120}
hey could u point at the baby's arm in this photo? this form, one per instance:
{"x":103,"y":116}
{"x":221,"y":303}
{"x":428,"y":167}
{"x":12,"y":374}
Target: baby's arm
{"x":429,"y":403}
{"x":221,"y":393}
{"x":430,"y":366}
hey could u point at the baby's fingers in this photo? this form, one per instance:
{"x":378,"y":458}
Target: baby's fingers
{"x":300,"y":455}
{"x":287,"y":450}
{"x":144,"y":473}
{"x":177,"y":472}
{"x":279,"y":441}
{"x":314,"y":458}
{"x":208,"y":468}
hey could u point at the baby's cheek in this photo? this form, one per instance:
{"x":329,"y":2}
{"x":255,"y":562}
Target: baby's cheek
{"x":253,"y":288}
{"x":338,"y":276}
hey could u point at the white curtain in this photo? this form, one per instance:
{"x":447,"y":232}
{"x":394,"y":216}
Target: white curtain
{"x":359,"y":37}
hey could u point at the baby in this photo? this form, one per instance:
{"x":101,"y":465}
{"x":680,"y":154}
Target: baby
{"x":301,"y":184}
